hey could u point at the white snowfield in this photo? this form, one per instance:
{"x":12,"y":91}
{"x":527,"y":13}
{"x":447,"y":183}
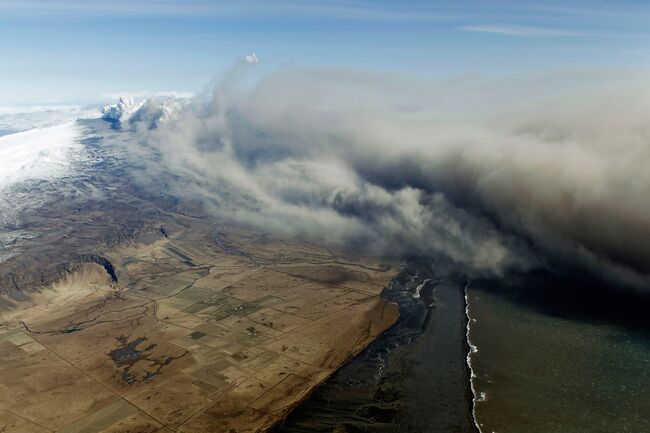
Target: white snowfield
{"x":23,"y":118}
{"x":41,"y":153}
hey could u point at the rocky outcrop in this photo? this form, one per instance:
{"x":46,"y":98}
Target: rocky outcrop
{"x":15,"y":284}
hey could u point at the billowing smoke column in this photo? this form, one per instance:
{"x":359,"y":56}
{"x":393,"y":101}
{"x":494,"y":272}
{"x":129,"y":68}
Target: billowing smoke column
{"x":490,"y":176}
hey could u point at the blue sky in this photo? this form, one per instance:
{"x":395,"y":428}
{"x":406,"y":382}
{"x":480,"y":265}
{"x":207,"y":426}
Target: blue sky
{"x":58,"y":51}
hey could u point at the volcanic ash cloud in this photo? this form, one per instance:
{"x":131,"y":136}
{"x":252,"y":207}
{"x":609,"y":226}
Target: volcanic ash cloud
{"x":485,"y":173}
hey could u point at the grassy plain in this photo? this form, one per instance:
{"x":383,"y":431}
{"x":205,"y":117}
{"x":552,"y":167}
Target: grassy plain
{"x":207,"y":330}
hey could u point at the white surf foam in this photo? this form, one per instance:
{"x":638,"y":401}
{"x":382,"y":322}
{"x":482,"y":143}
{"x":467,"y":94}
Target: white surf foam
{"x":472,"y":349}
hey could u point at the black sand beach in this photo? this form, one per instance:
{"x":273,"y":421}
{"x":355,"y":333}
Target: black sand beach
{"x":414,"y":378}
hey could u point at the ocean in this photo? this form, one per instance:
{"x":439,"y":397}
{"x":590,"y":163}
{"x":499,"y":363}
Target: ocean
{"x":540,"y":370}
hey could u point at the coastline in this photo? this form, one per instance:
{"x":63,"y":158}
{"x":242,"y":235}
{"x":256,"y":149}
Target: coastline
{"x":423,"y":354}
{"x":578,"y":368}
{"x":276,"y":425}
{"x":471,"y":349}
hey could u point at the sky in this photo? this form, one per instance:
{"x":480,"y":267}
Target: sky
{"x":84,"y":50}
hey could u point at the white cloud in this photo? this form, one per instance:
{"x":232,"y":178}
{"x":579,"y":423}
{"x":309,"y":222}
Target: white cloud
{"x":344,"y":10}
{"x":520,"y":31}
{"x":252,"y":58}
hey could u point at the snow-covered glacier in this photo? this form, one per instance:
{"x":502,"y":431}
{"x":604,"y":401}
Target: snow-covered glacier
{"x":39,"y":153}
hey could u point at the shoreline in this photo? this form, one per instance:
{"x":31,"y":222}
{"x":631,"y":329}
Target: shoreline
{"x":277,"y":424}
{"x":470,"y":350}
{"x":381,"y":389}
{"x":566,"y":360}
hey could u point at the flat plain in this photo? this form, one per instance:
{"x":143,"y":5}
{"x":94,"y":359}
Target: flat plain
{"x":207,"y":329}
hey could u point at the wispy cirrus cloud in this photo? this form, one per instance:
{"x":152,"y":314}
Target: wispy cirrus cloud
{"x":520,"y":31}
{"x":341,"y":9}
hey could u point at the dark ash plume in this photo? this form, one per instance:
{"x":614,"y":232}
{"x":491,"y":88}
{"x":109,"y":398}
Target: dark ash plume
{"x":479,"y":173}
